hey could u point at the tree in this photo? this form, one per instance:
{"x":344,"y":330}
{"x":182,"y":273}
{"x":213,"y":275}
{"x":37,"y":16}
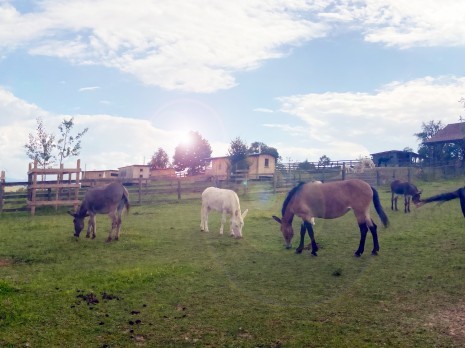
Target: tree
{"x":159,"y":160}
{"x":306,"y":165}
{"x":192,"y":155}
{"x":428,"y":130}
{"x":41,"y":145}
{"x":69,"y":145}
{"x":262,"y":148}
{"x":324,"y":161}
{"x":238,"y":155}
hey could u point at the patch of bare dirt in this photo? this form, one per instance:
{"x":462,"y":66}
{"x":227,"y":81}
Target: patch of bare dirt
{"x":450,"y":321}
{"x":5,"y":262}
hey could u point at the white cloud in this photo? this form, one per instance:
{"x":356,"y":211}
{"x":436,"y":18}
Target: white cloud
{"x":177,"y":45}
{"x":88,"y":89}
{"x":110,"y":143}
{"x":404,"y":24}
{"x":342,"y":124}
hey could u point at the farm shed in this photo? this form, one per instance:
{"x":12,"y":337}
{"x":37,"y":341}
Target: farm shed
{"x":453,"y":133}
{"x":162,"y":173}
{"x":260,"y":165}
{"x":99,"y":174}
{"x":395,"y":158}
{"x":134,"y":171}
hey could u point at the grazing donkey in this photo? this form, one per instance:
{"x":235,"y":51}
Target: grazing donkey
{"x":407,"y":190}
{"x":110,"y":199}
{"x":226,"y":202}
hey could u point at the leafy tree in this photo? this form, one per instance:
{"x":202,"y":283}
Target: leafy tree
{"x":193,"y":155}
{"x":428,"y":130}
{"x":306,"y":165}
{"x":324,"y":161}
{"x":262,"y":148}
{"x":41,"y":145}
{"x":69,"y":145}
{"x":159,"y":160}
{"x":238,"y":154}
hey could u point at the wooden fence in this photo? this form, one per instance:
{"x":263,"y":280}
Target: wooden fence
{"x":67,"y":191}
{"x":69,"y":185}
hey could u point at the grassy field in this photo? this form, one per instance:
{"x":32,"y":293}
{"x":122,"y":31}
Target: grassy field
{"x":165,"y":283}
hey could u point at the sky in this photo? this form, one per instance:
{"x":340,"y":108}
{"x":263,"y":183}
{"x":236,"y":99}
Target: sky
{"x":342,"y":78}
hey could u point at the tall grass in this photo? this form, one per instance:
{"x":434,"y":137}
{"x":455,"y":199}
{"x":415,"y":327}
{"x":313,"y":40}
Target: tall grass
{"x":165,"y":283}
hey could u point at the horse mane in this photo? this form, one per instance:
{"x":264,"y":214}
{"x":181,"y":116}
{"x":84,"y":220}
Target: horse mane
{"x":290,"y":195}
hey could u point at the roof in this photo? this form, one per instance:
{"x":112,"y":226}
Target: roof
{"x":451,"y":133}
{"x":393,"y":151}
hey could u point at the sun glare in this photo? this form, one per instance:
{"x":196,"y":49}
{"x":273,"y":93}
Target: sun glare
{"x":183,"y":137}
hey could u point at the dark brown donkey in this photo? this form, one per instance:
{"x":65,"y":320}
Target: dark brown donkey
{"x":110,"y":199}
{"x":407,"y":190}
{"x":329,"y":201}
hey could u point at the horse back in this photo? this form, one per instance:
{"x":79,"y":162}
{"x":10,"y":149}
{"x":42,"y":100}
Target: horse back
{"x":333,"y":199}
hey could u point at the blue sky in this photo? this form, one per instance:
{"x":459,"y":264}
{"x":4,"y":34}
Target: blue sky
{"x":337,"y":78}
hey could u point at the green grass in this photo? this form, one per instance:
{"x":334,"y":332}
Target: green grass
{"x":165,"y":283}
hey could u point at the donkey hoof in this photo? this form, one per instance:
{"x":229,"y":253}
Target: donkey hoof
{"x":87,"y":236}
{"x":298,"y":251}
{"x":314,"y":253}
{"x":374,"y":253}
{"x":357,"y":254}
{"x":93,"y":236}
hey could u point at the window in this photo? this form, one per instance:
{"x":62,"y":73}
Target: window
{"x":267,"y":162}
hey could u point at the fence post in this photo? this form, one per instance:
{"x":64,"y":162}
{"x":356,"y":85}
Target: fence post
{"x":179,"y":189}
{"x":275,"y":180}
{"x":343,"y":171}
{"x":140,"y":189}
{"x":2,"y":189}
{"x":409,"y":175}
{"x":33,"y":193}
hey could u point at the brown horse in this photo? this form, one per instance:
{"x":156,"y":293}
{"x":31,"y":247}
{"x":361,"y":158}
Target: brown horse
{"x":444,"y":197}
{"x":408,"y":190}
{"x":330,"y":201}
{"x":110,"y":199}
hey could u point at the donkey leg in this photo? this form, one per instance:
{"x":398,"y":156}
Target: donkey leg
{"x":113,"y":226}
{"x":363,"y":236}
{"x":395,"y":203}
{"x":91,"y":226}
{"x":203,"y":217}
{"x":118,"y":225}
{"x":374,"y":234}
{"x":312,"y":237}
{"x":406,"y":204}
{"x":223,"y":220}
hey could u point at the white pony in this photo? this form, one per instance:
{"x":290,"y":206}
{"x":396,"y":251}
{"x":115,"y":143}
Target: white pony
{"x":226,"y":202}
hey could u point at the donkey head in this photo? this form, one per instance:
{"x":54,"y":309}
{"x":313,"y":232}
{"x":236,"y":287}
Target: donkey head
{"x":286,"y":230}
{"x":416,"y":197}
{"x":78,"y":222}
{"x":237,"y":222}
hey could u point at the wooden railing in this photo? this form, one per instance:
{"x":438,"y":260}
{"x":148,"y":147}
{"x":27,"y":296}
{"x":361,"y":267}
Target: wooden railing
{"x":70,"y":185}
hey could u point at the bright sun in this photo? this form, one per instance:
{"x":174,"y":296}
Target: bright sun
{"x":183,"y":137}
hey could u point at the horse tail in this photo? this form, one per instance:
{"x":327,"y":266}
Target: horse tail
{"x":379,"y":208}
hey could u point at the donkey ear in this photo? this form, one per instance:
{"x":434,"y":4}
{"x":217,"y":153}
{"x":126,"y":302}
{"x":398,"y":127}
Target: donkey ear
{"x":244,"y":214}
{"x":277,"y":218}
